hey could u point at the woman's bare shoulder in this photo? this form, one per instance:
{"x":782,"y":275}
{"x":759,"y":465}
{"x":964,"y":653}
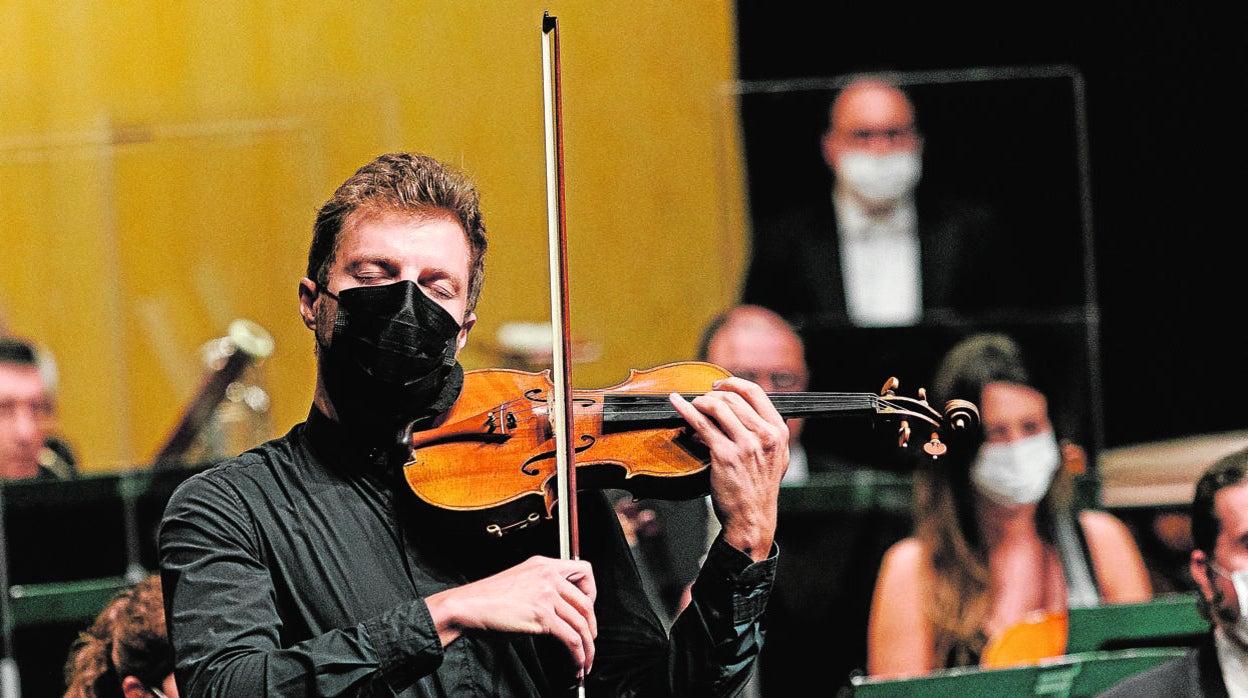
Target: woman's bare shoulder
{"x":1116,"y":558}
{"x":906,"y":555}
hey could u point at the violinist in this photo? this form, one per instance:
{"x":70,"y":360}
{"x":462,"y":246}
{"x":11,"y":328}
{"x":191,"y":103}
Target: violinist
{"x":307,"y":567}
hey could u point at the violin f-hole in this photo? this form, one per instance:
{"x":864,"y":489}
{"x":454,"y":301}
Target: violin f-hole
{"x":527,"y":468}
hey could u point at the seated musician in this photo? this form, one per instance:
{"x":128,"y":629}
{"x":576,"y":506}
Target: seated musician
{"x":1218,"y":666}
{"x":29,"y":447}
{"x":996,"y":546}
{"x":125,"y":651}
{"x":307,"y":566}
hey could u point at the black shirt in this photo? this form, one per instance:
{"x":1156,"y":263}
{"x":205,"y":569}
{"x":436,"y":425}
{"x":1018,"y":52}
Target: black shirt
{"x":300,"y":568}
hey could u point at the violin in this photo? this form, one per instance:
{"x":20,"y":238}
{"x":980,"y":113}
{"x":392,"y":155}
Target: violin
{"x":494,"y":452}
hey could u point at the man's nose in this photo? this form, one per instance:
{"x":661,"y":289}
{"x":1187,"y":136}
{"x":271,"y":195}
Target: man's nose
{"x":26,"y":425}
{"x":880,"y":145}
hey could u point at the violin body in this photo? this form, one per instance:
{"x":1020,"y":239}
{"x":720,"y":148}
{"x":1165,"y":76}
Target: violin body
{"x":494,"y":452}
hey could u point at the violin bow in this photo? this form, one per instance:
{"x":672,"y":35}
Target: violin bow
{"x":560,"y":407}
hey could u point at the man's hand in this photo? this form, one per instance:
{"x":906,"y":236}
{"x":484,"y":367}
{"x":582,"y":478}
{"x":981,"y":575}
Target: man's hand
{"x":749,"y":445}
{"x":540,"y":596}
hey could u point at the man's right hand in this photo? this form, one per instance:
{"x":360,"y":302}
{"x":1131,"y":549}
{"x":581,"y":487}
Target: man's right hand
{"x":540,"y":596}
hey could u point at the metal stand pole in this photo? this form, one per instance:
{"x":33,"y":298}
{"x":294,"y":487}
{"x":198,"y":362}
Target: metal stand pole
{"x":10,"y":683}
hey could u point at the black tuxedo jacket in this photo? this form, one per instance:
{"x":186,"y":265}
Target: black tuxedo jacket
{"x":1194,"y":675}
{"x":795,"y":266}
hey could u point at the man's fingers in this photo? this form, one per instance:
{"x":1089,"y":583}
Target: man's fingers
{"x":588,"y":593}
{"x":699,"y":422}
{"x":576,"y":629}
{"x":760,"y":404}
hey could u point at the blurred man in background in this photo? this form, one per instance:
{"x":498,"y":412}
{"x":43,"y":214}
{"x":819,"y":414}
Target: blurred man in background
{"x":27,"y":416}
{"x":1218,"y":666}
{"x":872,"y":252}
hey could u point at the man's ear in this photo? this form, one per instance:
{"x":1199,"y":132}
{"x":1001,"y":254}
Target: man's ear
{"x":829,"y":149}
{"x":462,"y":339}
{"x":132,"y":687}
{"x":1199,"y":568}
{"x":307,"y":296}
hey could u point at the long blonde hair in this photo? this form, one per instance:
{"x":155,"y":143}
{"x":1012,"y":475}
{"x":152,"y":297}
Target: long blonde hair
{"x":944,"y":504}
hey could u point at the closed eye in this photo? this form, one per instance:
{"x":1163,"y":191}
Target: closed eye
{"x":372,"y":271}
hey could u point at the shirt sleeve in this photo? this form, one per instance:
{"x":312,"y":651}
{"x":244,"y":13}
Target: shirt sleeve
{"x":722,"y":626}
{"x":224,"y":624}
{"x":712,"y":646}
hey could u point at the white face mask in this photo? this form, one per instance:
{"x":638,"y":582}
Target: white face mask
{"x":1019,"y":472}
{"x":1239,"y":579}
{"x":880,"y":178}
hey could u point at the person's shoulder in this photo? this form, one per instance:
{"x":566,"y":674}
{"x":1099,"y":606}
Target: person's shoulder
{"x":965,"y":215}
{"x":799,"y":217}
{"x":1103,"y":528}
{"x":1116,"y":558}
{"x":908,"y":556}
{"x":1166,"y":680}
{"x":255,"y":466}
{"x":953,"y":205}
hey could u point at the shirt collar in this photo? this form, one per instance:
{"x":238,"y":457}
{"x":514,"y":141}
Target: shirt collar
{"x":348,"y":453}
{"x":854,"y":223}
{"x":1234,"y":663}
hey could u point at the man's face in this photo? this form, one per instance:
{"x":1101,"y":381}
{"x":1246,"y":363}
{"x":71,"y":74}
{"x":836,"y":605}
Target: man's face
{"x":870,"y":117}
{"x":770,"y":356}
{"x":432,"y":252}
{"x":1230,"y":553}
{"x":25,"y":412}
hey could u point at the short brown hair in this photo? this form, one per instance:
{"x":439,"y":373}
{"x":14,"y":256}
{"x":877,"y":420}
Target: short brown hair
{"x":1227,"y":471}
{"x":128,"y":638}
{"x":15,"y":350}
{"x":408,"y":183}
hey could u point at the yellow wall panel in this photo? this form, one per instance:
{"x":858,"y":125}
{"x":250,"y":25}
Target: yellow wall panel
{"x":161,"y":163}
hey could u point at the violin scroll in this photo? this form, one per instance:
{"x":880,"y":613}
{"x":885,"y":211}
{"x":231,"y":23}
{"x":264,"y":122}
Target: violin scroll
{"x":961,"y":414}
{"x":958,"y":416}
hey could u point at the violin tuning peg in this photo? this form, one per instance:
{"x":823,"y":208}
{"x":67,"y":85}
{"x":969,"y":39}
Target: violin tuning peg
{"x":903,"y":434}
{"x":935,"y":447}
{"x":890,"y":386}
{"x":923,"y":395}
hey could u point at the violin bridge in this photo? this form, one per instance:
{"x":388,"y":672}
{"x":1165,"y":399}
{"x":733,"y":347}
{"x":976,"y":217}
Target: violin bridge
{"x":504,"y":416}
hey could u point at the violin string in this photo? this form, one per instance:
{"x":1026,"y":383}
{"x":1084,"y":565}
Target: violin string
{"x":648,"y":405}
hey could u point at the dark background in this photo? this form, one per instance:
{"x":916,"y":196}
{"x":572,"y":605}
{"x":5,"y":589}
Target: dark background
{"x":1165,"y":141}
{"x":1147,"y":348}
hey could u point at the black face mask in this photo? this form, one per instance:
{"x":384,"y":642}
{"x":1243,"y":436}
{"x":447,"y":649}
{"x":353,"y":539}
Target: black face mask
{"x":391,"y":358}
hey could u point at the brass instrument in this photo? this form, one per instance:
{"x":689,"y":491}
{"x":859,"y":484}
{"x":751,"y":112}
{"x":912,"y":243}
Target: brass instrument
{"x":222,"y":391}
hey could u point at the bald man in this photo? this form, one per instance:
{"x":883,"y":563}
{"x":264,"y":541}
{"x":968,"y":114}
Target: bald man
{"x":831,"y":558}
{"x":871,"y":254}
{"x":757,"y":344}
{"x":670,"y":537}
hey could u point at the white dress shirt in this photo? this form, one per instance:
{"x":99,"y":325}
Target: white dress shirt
{"x":880,"y":263}
{"x":1234,"y":663}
